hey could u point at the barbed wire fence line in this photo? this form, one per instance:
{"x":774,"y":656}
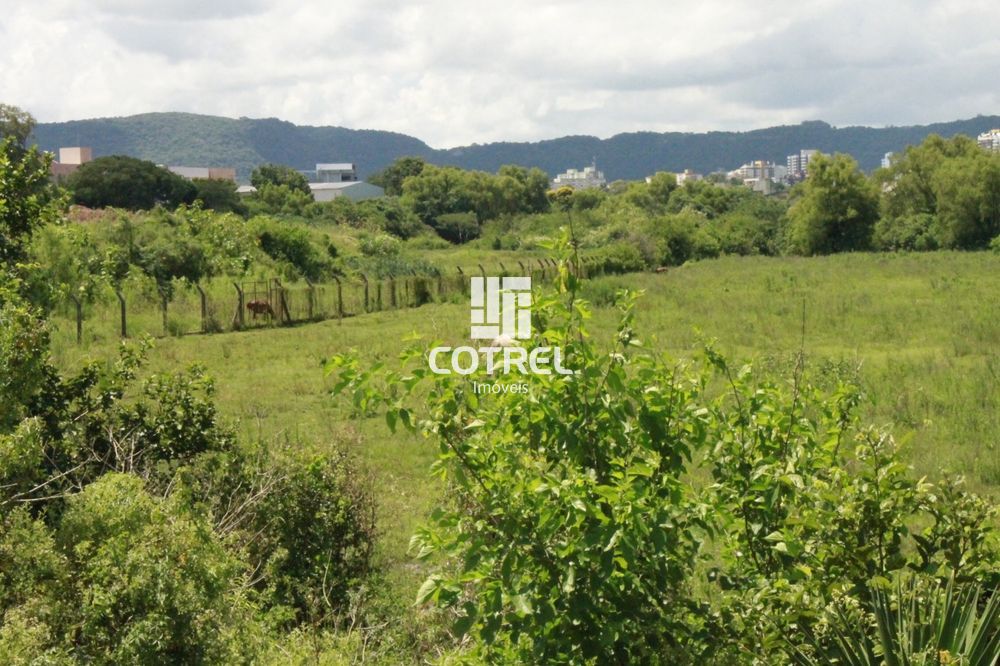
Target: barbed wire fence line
{"x":224,"y":304}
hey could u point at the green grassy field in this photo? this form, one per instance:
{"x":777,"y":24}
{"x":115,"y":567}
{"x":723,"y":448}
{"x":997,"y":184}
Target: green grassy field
{"x":920,"y":332}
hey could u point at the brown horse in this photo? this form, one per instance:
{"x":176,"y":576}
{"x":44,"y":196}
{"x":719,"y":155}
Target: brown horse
{"x":260,"y":308}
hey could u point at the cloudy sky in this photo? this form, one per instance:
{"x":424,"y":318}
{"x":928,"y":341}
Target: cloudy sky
{"x":453,"y":72}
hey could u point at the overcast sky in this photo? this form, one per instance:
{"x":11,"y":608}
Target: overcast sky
{"x":454,"y":73}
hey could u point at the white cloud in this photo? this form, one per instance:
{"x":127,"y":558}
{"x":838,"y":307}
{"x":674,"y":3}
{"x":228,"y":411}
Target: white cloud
{"x":454,"y":72}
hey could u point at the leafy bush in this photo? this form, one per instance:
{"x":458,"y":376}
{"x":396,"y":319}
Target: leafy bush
{"x":279,"y":175}
{"x":574,"y":533}
{"x":219,"y":195}
{"x":24,"y":191}
{"x":271,"y":199}
{"x":457,"y":227}
{"x":616,"y":259}
{"x":293,"y":246}
{"x":746,"y":234}
{"x":317,"y":535}
{"x":680,"y":238}
{"x":914,"y":622}
{"x":24,"y":342}
{"x":918,"y":232}
{"x":380,"y":245}
{"x":151,"y":582}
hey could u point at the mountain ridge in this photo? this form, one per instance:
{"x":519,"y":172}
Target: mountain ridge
{"x":202,"y":140}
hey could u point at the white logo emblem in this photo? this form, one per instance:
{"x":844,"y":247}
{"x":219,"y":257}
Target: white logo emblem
{"x":501,"y":307}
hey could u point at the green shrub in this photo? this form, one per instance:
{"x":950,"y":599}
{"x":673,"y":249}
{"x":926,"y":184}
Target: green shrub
{"x":917,"y":232}
{"x":292,"y":245}
{"x":617,"y":259}
{"x":680,"y":238}
{"x":380,"y":245}
{"x":151,"y":583}
{"x":219,"y":195}
{"x":746,"y":234}
{"x":319,"y":535}
{"x":457,"y":227}
{"x":304,"y":523}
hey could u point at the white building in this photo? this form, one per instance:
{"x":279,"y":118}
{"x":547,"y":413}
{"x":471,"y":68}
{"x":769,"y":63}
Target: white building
{"x":989,"y":140}
{"x":887,"y":160}
{"x":69,"y":161}
{"x":688,"y":176}
{"x":337,"y":172}
{"x":798,"y":164}
{"x":588,"y":178}
{"x":355,"y":190}
{"x":753,"y":172}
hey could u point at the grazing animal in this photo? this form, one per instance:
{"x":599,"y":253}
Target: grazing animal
{"x":662,"y":269}
{"x":260,"y":308}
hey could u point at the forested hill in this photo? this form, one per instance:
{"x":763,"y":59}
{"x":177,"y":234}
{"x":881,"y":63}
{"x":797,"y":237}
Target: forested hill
{"x":197,"y":140}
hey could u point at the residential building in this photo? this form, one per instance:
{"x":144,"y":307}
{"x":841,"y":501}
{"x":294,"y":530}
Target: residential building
{"x":76,"y":155}
{"x":588,"y":178}
{"x":688,"y":176}
{"x":332,"y":172}
{"x":758,"y":170}
{"x":989,"y":140}
{"x":69,"y":161}
{"x":798,"y":164}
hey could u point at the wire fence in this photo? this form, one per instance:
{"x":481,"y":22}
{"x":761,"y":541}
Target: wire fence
{"x":219,"y":305}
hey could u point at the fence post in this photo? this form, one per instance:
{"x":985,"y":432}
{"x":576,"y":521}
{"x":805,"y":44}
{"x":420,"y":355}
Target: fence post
{"x":340,"y":298}
{"x":440,"y":281}
{"x":482,"y":270}
{"x":392,"y":292}
{"x":283,"y":313}
{"x":238,"y":315}
{"x":521,"y":264}
{"x":311,"y":297}
{"x":378,"y":295}
{"x":503,"y":269}
{"x":163,"y":309}
{"x":542,"y":264}
{"x":121,"y":301}
{"x":365,"y":279}
{"x":204,"y":308}
{"x":79,"y":318}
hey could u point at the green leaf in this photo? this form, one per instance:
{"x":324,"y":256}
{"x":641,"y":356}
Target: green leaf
{"x":570,"y":583}
{"x":428,"y":590}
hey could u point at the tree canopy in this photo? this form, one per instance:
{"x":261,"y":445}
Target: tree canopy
{"x":835,"y":209}
{"x":391,"y":178}
{"x":120,"y":181}
{"x":16,"y":123}
{"x":279,"y":174}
